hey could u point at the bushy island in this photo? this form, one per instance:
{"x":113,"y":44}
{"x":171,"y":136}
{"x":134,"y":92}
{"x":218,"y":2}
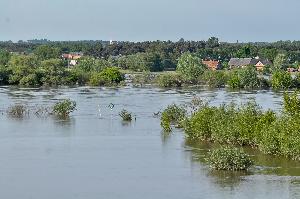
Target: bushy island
{"x":244,"y":125}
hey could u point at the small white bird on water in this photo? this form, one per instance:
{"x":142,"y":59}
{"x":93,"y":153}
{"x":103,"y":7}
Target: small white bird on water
{"x":99,"y":110}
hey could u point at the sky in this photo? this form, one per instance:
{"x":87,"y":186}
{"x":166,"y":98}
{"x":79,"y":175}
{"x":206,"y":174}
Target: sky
{"x":140,"y":20}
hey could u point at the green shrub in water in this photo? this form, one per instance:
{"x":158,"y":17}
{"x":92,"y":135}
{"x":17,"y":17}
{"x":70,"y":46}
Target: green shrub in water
{"x":64,"y":108}
{"x":281,"y":80}
{"x":227,"y":158}
{"x":282,"y":137}
{"x":245,"y":78}
{"x":215,"y":79}
{"x":172,"y":115}
{"x":18,"y":111}
{"x":125,"y":115}
{"x":248,"y":125}
{"x":291,"y":103}
{"x":169,"y":80}
{"x":107,"y":77}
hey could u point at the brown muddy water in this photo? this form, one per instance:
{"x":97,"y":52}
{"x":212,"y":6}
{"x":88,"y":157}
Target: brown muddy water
{"x":94,"y":154}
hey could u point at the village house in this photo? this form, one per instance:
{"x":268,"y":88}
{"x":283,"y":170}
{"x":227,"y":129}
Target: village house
{"x":244,"y":62}
{"x":212,"y":65}
{"x":72,"y":57}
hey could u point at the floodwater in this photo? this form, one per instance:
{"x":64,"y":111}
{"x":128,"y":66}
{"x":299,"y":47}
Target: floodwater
{"x":93,"y":154}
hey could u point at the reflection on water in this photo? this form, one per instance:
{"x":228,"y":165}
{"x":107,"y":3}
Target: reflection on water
{"x":89,"y":156}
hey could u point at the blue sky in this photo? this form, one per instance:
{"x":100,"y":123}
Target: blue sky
{"x":138,"y":20}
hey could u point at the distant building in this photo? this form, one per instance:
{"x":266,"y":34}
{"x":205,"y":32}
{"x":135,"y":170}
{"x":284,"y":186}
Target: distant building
{"x":212,"y":65}
{"x":72,"y":57}
{"x":291,"y":70}
{"x":244,"y":62}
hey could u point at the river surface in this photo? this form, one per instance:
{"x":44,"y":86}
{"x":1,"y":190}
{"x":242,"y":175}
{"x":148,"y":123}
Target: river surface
{"x":93,"y":154}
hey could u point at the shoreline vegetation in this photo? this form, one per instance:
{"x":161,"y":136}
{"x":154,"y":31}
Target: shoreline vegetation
{"x":162,"y":63}
{"x":245,"y":125}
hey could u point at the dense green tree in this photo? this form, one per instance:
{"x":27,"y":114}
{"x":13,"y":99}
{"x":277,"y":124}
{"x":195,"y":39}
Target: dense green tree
{"x":190,"y":67}
{"x":52,"y":72}
{"x":4,"y":57}
{"x":22,"y":66}
{"x":212,"y":42}
{"x":4,"y":75}
{"x":281,"y":80}
{"x":47,"y":52}
{"x":280,"y":62}
{"x":107,"y":77}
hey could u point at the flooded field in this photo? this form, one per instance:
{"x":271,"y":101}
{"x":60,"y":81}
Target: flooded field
{"x":94,"y":154}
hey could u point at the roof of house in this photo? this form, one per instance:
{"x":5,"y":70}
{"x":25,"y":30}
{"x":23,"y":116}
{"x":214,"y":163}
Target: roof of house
{"x":240,"y":61}
{"x":72,"y":55}
{"x":247,"y":61}
{"x":211,"y":64}
{"x":264,"y":61}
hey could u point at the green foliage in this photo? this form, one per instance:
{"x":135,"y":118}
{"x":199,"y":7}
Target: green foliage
{"x":44,"y":52}
{"x":23,"y":68}
{"x":64,"y":108}
{"x":109,"y":76}
{"x":234,"y":80}
{"x":229,"y":124}
{"x":76,"y":76}
{"x":227,"y":158}
{"x":244,"y":78}
{"x":249,"y":78}
{"x":215,"y":79}
{"x":248,"y":125}
{"x":212,"y":42}
{"x":246,"y":51}
{"x":149,"y":61}
{"x":281,"y":80}
{"x":89,"y":64}
{"x":52,"y":72}
{"x":125,"y":115}
{"x":4,"y":75}
{"x":29,"y":80}
{"x":172,"y":115}
{"x":280,"y":62}
{"x":282,"y":137}
{"x":190,"y":67}
{"x":4,"y":57}
{"x":169,"y":80}
{"x":291,"y":104}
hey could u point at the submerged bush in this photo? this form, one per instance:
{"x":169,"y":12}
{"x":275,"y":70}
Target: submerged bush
{"x":215,"y":79}
{"x":169,"y":80}
{"x":172,"y":115}
{"x":190,"y":67}
{"x":281,"y":80}
{"x":282,"y":138}
{"x":18,"y":111}
{"x":145,"y":78}
{"x":227,"y":158}
{"x":228,"y":124}
{"x":291,"y":103}
{"x":249,"y":125}
{"x":109,"y":76}
{"x":125,"y":115}
{"x":64,"y":108}
{"x":245,"y":78}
